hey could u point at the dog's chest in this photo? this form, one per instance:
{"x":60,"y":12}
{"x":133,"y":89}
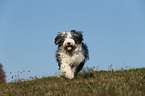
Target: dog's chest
{"x":75,"y":59}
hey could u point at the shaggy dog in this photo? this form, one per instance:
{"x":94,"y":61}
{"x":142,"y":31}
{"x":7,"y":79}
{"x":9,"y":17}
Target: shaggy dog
{"x":72,"y":53}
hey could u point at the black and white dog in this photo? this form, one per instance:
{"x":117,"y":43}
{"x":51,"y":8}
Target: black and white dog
{"x":71,"y":54}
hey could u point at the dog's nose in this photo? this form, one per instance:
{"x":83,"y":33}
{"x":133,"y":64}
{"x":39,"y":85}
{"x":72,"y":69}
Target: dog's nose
{"x":68,"y":43}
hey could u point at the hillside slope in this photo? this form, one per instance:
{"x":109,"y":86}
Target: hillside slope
{"x":96,"y":83}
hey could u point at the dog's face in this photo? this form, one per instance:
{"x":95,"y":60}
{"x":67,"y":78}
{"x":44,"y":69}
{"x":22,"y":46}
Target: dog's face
{"x":69,"y":40}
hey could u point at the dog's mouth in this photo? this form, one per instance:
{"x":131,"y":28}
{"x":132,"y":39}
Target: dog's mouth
{"x":69,"y":48}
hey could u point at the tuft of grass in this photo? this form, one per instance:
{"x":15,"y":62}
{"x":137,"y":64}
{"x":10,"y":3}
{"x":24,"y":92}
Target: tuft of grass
{"x":89,"y":83}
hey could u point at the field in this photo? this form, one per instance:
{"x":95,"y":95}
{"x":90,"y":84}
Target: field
{"x":89,"y":83}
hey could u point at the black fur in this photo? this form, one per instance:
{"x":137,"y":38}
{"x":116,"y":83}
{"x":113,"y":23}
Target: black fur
{"x":59,"y":39}
{"x":77,"y":36}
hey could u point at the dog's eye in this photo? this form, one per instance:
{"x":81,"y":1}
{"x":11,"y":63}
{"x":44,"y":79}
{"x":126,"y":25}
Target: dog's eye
{"x":78,"y":39}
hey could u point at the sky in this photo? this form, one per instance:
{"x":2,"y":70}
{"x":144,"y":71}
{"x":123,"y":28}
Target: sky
{"x":114,"y":31}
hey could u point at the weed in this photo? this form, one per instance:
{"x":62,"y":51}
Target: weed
{"x":89,"y":83}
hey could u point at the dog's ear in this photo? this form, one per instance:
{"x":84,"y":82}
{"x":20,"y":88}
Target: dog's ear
{"x":58,"y":39}
{"x":80,"y":35}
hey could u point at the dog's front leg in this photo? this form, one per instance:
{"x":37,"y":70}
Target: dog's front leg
{"x":66,"y":70}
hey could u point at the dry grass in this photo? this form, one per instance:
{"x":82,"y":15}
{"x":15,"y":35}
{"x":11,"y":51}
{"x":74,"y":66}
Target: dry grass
{"x":93,"y":83}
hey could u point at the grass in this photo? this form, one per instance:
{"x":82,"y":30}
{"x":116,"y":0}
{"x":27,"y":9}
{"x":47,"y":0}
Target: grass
{"x":89,"y":83}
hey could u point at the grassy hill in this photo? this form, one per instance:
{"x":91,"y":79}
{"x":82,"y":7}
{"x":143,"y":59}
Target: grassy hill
{"x":94,"y":83}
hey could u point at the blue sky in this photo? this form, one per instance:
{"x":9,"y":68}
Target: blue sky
{"x":114,"y":31}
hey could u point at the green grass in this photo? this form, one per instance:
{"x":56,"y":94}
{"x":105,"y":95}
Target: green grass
{"x":89,"y":83}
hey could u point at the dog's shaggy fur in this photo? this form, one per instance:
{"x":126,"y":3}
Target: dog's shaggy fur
{"x":71,"y":54}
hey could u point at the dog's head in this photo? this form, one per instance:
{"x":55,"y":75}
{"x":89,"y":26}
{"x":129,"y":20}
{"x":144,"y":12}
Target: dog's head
{"x":69,"y":40}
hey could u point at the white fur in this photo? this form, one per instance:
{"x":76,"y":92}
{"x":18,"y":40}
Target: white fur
{"x":68,"y":61}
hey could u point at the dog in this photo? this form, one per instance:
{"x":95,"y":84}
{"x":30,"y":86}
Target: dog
{"x":71,"y":54}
